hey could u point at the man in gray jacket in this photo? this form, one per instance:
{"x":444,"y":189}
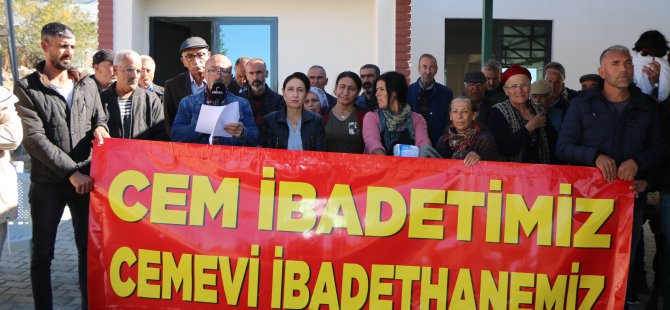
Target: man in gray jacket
{"x":132,"y":112}
{"x":61,"y":114}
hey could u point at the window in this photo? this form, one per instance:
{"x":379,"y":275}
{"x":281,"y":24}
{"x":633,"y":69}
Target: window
{"x":521,"y":42}
{"x":254,"y":37}
{"x":526,"y":43}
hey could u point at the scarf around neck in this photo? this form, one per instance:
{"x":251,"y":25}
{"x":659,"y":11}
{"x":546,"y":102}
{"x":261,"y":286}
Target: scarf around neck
{"x":461,"y":142}
{"x":390,"y":125}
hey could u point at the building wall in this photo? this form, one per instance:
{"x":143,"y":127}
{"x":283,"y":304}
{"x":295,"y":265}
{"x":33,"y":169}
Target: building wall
{"x":581,"y":29}
{"x":339,"y":35}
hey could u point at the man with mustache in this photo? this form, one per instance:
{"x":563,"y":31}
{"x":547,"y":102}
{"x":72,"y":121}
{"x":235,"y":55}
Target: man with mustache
{"x":473,"y":88}
{"x":244,"y":132}
{"x":194,"y":53}
{"x":132,"y":111}
{"x":263,"y":99}
{"x":616,"y":128}
{"x":61,"y":114}
{"x":368,"y":100}
{"x":430,"y":98}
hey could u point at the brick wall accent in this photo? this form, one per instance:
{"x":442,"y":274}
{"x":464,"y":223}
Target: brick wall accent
{"x":403,"y":35}
{"x":105,"y":24}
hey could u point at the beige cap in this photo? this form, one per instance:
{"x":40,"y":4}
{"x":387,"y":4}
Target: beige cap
{"x":540,"y":87}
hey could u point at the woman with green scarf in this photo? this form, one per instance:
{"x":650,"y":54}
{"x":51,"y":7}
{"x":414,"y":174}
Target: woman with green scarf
{"x":393,"y":123}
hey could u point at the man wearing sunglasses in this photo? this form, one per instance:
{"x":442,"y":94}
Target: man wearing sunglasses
{"x":132,"y":112}
{"x":194,"y":52}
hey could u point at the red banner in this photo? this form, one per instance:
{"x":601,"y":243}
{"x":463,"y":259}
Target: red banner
{"x":196,"y":226}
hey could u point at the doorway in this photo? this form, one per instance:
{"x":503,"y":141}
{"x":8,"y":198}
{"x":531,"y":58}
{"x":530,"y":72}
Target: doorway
{"x":167,"y":34}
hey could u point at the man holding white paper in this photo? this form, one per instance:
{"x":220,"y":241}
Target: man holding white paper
{"x":201,"y":116}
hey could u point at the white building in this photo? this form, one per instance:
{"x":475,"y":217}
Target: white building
{"x":345,"y":34}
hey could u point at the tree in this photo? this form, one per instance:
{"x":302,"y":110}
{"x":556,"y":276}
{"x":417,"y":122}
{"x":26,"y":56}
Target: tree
{"x":31,"y":15}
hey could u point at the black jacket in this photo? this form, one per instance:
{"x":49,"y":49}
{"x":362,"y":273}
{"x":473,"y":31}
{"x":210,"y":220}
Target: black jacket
{"x":276,"y":131}
{"x":58,"y":138}
{"x":592,"y":127}
{"x":271,"y":102}
{"x":147,"y":114}
{"x":176,"y":89}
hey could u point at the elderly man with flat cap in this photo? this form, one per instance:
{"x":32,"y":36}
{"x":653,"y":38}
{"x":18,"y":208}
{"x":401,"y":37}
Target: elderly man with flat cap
{"x":474,"y":88}
{"x":194,"y":53}
{"x":590,"y":81}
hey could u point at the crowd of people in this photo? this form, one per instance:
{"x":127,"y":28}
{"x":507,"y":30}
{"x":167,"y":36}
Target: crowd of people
{"x":615,"y":123}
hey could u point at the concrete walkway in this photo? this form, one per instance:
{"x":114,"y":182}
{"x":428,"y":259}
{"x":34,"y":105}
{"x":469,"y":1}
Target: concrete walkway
{"x":15,"y":290}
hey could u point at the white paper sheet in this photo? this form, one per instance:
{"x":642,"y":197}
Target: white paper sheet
{"x":209,"y":114}
{"x":230,"y":114}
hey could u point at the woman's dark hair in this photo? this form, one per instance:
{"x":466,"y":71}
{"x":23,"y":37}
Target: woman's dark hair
{"x":652,"y":42}
{"x":297,"y":75}
{"x":395,"y":83}
{"x":352,"y":76}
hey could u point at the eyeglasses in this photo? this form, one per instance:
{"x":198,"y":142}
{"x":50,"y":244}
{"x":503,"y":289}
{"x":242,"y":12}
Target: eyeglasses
{"x":517,"y":86}
{"x":219,"y":72}
{"x":131,"y":70}
{"x":199,"y":55}
{"x":467,"y":84}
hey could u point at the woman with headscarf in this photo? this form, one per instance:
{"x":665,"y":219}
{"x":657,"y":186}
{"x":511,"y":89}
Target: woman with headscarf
{"x":518,"y":125}
{"x":394,"y":122}
{"x":651,"y":69}
{"x":315,"y":100}
{"x":294,"y":128}
{"x":464,"y":138}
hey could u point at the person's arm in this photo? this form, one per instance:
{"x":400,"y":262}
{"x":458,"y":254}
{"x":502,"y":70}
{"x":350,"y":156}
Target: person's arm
{"x":169,"y":106}
{"x":664,"y":81}
{"x":654,"y":144}
{"x":98,"y":122}
{"x":249,"y":136}
{"x":320,"y":142}
{"x":371,"y":134}
{"x":268,"y":132}
{"x":485,"y":146}
{"x":509,"y":143}
{"x":569,"y":146}
{"x":183,"y":129}
{"x":157,"y":126}
{"x":11,"y":132}
{"x":420,"y":130}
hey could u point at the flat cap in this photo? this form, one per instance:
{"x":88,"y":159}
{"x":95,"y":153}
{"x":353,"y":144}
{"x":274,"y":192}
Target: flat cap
{"x":193,"y":42}
{"x":540,"y":87}
{"x":590,"y":77}
{"x":103,"y":55}
{"x":474,"y":77}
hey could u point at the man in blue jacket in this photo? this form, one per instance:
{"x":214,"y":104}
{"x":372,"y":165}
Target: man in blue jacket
{"x":430,"y":98}
{"x":616,"y":128}
{"x":243,"y":133}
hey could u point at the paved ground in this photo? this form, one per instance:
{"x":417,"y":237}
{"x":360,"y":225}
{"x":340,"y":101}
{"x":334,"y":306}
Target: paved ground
{"x":15,"y":291}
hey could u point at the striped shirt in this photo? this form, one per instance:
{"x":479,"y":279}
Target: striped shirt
{"x":125,"y":109}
